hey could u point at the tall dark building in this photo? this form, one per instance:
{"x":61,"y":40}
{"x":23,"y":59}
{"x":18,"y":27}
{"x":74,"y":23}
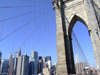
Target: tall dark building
{"x":33,"y":63}
{"x":40,"y":66}
{"x":0,"y":57}
{"x":31,"y":68}
{"x":40,"y":57}
{"x":4,"y":66}
{"x":11,"y":67}
{"x":47,"y":58}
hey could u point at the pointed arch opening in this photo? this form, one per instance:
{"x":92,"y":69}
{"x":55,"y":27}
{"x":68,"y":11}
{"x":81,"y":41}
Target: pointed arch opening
{"x":76,"y":19}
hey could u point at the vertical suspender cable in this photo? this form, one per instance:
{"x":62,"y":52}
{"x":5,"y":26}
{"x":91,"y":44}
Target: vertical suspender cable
{"x":32,"y":27}
{"x":3,"y":21}
{"x":15,"y":28}
{"x":25,"y":28}
{"x":32,"y":40}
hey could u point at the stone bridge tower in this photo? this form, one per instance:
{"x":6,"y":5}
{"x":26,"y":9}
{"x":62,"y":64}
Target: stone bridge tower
{"x":67,"y":13}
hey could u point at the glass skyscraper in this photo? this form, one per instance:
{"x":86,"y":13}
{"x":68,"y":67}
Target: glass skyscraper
{"x":4,"y":65}
{"x":33,"y":63}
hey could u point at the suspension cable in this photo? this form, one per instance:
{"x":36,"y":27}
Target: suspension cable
{"x":34,"y":1}
{"x":25,"y":28}
{"x":15,"y":28}
{"x":3,"y":21}
{"x":20,"y":6}
{"x":22,"y":15}
{"x":31,"y":33}
{"x":20,"y":28}
{"x":32,"y":29}
{"x":80,"y":46}
{"x":47,"y":37}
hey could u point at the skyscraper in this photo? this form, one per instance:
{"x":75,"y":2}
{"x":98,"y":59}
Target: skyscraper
{"x":77,"y":60}
{"x":17,"y":54}
{"x":15,"y":66}
{"x":0,"y":60}
{"x":33,"y":63}
{"x":19,"y":65}
{"x":31,"y":66}
{"x":40,"y":65}
{"x":80,"y":66}
{"x":23,"y":65}
{"x":4,"y":65}
{"x":49,"y":64}
{"x":10,"y":56}
{"x":11,"y":67}
{"x":0,"y":57}
{"x":47,"y":58}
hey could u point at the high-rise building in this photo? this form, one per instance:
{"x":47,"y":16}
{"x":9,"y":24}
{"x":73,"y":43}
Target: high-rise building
{"x":80,"y":66}
{"x":46,"y":71}
{"x":54,"y":65}
{"x":33,"y":63}
{"x":31,"y":66}
{"x":47,"y":58}
{"x":0,"y":60}
{"x":4,"y":65}
{"x":44,"y":59}
{"x":11,"y":67}
{"x":10,"y":56}
{"x":40,"y":66}
{"x":19,"y":65}
{"x":23,"y":65}
{"x":15,"y":66}
{"x":0,"y":57}
{"x":77,"y":60}
{"x":17,"y":54}
{"x":49,"y":64}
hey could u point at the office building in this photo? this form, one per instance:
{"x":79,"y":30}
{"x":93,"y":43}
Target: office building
{"x":11,"y":67}
{"x":49,"y":64}
{"x":0,"y":57}
{"x":77,"y":59}
{"x":23,"y":65}
{"x":80,"y":66}
{"x":15,"y":66}
{"x":33,"y":63}
{"x":46,"y":71}
{"x":40,"y":65}
{"x":17,"y":54}
{"x":4,"y":65}
{"x":10,"y":56}
{"x":31,"y":66}
{"x":47,"y":58}
{"x":44,"y":59}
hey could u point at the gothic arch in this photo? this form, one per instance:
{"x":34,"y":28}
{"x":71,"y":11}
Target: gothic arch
{"x":73,"y":21}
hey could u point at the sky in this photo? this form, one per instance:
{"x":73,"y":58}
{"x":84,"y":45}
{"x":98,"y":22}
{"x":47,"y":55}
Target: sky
{"x":37,"y":29}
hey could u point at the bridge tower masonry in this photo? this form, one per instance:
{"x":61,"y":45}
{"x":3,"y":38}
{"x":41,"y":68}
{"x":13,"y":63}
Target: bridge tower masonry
{"x":68,"y":12}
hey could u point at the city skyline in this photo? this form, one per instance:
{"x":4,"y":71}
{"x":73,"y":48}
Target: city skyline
{"x":47,"y":44}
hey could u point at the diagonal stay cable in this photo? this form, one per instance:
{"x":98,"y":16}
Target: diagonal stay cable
{"x":31,"y":33}
{"x":79,"y":46}
{"x":22,"y":15}
{"x":32,"y":1}
{"x":3,"y":21}
{"x":40,"y":36}
{"x":21,"y":27}
{"x":20,"y":6}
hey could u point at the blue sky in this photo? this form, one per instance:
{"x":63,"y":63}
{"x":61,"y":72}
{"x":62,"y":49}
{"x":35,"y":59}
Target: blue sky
{"x":43,"y":39}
